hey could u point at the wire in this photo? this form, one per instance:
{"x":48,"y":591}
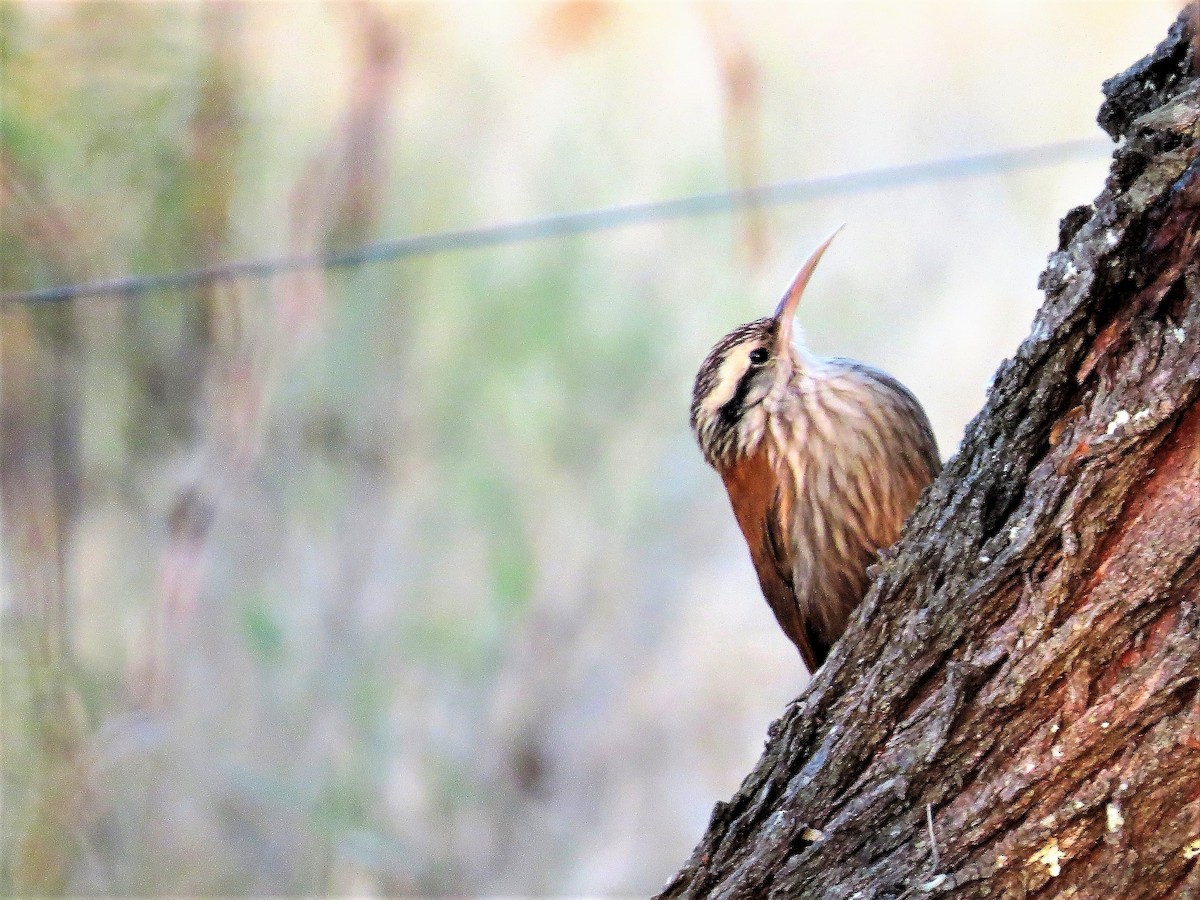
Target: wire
{"x":796,"y":191}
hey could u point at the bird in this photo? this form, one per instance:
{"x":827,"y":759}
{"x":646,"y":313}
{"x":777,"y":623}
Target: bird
{"x":823,"y":460}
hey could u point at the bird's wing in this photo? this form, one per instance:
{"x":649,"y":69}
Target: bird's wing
{"x":763,"y":513}
{"x":776,"y":577}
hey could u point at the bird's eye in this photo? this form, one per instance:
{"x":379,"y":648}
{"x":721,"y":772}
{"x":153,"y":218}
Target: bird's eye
{"x":759,"y":355}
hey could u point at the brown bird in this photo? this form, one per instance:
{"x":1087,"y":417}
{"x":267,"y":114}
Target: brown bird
{"x":823,"y":460}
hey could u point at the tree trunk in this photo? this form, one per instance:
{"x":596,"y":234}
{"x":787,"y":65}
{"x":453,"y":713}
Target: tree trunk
{"x":1014,"y":710}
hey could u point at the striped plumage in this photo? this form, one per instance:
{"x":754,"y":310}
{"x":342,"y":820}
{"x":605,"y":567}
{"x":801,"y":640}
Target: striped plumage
{"x":823,"y":460}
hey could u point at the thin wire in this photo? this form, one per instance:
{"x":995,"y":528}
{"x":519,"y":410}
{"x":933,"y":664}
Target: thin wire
{"x":795,"y":191}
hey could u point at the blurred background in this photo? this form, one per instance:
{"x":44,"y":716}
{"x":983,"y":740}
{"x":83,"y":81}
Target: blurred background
{"x":406,"y":578}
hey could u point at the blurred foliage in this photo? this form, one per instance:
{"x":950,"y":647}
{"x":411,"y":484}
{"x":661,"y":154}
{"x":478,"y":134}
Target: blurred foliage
{"x":407,"y":579}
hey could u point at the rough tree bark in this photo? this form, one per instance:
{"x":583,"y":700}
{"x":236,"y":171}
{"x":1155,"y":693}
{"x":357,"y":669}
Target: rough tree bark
{"x":1014,"y":712}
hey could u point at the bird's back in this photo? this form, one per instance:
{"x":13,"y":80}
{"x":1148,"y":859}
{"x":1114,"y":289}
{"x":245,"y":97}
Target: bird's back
{"x":853,"y":452}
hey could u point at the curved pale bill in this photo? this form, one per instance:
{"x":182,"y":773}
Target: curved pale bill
{"x":786,"y":311}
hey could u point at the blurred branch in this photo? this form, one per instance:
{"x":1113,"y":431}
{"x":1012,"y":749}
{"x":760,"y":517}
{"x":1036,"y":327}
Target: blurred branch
{"x":170,"y":378}
{"x":743,"y":111}
{"x":338,"y":192}
{"x":40,"y":402}
{"x":39,"y":421}
{"x":52,"y":230}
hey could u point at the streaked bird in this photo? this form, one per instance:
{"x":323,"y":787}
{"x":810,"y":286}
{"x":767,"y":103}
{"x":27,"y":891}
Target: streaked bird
{"x":823,"y":460}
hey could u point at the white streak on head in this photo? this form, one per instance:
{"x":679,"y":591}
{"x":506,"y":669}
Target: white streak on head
{"x":733,"y":367}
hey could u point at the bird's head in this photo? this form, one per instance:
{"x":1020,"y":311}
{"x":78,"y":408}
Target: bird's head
{"x":747,"y":368}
